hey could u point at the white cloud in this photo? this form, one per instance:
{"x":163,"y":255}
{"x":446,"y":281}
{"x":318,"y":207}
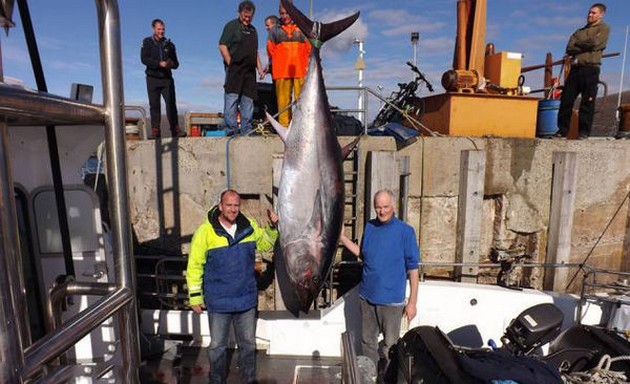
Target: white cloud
{"x":390,"y":19}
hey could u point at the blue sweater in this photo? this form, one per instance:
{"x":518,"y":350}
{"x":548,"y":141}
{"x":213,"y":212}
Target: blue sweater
{"x":388,"y":250}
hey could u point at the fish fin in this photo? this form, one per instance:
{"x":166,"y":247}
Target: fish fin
{"x":280,"y":130}
{"x":323,"y":32}
{"x":345,"y":151}
{"x":316,"y":218}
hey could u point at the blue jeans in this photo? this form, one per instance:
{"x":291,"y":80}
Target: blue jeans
{"x":245,"y":332}
{"x":233,"y":103}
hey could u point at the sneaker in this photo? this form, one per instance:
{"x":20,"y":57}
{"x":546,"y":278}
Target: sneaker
{"x":582,"y":137}
{"x":155,"y":133}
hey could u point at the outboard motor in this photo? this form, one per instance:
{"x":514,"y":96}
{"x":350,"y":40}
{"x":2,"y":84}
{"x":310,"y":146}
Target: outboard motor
{"x":532,"y":328}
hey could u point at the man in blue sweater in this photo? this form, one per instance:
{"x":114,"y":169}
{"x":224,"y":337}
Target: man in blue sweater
{"x":390,"y":254}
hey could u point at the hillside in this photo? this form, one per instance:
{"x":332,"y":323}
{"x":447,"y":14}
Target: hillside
{"x":605,"y":123}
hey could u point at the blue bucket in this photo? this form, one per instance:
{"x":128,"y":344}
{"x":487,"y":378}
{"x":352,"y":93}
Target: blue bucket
{"x":547,"y":119}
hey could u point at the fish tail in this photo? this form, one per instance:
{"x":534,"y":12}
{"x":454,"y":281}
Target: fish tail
{"x":318,"y":33}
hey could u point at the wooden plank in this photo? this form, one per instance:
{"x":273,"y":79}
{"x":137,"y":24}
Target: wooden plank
{"x":477,"y":56}
{"x":275,"y":177}
{"x":381,"y":173}
{"x":561,"y":218}
{"x":469,"y":212}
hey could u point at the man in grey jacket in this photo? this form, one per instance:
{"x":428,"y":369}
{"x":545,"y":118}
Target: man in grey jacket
{"x":585,"y":49}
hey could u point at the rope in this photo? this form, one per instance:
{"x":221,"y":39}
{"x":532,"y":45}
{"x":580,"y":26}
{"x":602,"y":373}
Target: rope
{"x":601,"y":374}
{"x":598,"y":240}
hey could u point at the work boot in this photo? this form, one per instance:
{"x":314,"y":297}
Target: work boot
{"x":178,"y":133}
{"x":155,"y":133}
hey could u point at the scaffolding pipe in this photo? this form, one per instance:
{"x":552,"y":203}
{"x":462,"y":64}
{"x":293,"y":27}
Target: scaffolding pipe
{"x":54,"y":344}
{"x":13,"y":297}
{"x":113,"y":100}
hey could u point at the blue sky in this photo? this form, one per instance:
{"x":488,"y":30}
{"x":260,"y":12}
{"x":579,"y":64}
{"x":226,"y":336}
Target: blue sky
{"x":67,"y":36}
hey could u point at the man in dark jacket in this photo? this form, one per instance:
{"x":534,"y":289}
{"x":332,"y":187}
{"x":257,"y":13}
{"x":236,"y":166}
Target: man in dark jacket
{"x":221,"y":275}
{"x":159,"y":55}
{"x":239,"y":48}
{"x":585,"y":49}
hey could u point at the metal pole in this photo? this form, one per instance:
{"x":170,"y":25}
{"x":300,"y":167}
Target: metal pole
{"x":51,"y":135}
{"x":310,"y":9}
{"x":73,"y":330}
{"x":360,"y":82}
{"x":360,"y":66}
{"x":12,"y":293}
{"x":113,"y":100}
{"x":415,"y":54}
{"x":415,"y":37}
{"x":623,"y":67}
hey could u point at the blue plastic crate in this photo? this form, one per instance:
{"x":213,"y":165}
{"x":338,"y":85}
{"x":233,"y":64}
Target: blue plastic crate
{"x":214,"y":133}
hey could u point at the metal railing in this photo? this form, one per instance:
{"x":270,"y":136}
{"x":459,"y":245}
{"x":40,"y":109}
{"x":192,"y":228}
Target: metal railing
{"x":363,"y":112}
{"x":17,"y":363}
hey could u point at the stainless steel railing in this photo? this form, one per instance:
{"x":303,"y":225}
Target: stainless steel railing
{"x":17,"y":363}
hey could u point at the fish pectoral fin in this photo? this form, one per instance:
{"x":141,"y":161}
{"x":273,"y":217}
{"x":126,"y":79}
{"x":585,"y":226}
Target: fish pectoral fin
{"x":345,"y":151}
{"x":280,"y":130}
{"x":315,"y":224}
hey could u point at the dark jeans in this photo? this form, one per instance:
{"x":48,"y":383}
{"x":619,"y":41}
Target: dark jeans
{"x":245,"y":332}
{"x":377,"y":319}
{"x":157,"y":87}
{"x":233,"y":104}
{"x":583,"y":81}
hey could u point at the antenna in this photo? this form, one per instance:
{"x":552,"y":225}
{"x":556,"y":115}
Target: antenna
{"x":623,"y":67}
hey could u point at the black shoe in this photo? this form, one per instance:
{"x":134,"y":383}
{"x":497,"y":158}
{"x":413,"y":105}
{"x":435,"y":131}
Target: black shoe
{"x":558,"y":135}
{"x":179,"y":133}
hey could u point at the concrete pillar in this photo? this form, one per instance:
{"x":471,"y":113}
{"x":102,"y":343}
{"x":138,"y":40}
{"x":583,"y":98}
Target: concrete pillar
{"x":472,"y":173}
{"x":561,"y":218}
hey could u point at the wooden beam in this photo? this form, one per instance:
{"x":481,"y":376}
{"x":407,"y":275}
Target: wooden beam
{"x":472,"y":173}
{"x":381,"y":173}
{"x":477,"y":59}
{"x":561,"y":218}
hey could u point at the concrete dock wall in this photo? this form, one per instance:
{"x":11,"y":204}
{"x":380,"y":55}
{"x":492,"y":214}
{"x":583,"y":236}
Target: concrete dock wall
{"x":173,"y":183}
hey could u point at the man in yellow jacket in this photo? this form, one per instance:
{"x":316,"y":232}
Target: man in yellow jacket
{"x":221,"y":275}
{"x":288,"y":51}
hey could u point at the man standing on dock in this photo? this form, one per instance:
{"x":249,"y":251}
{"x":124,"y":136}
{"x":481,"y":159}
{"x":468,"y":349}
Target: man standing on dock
{"x":159,"y":56}
{"x":221,"y":275}
{"x":585,"y":49}
{"x":288,"y":50}
{"x":239,"y":48}
{"x":390,"y":255}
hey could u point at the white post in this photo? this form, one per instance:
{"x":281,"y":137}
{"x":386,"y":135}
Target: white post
{"x":360,"y":66}
{"x":415,"y":37}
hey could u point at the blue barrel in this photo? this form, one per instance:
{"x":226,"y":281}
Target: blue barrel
{"x":547,"y":119}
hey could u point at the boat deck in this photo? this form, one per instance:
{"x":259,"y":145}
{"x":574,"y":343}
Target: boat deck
{"x":189,"y":364}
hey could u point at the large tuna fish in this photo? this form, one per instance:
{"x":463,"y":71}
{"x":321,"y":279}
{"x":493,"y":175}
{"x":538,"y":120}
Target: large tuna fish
{"x":311,"y":191}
